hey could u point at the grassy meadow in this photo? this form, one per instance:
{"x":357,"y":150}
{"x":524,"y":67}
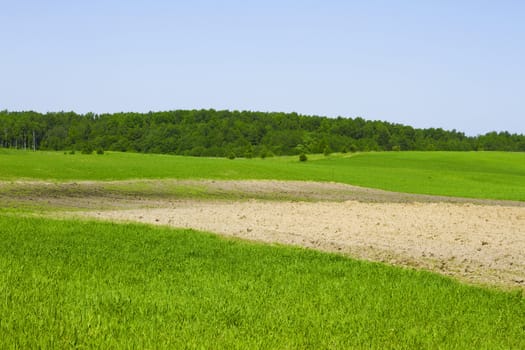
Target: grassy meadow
{"x":78,"y":284}
{"x":495,"y":175}
{"x":86,"y":284}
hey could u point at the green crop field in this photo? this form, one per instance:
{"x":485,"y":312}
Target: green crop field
{"x":83,"y":284}
{"x":74,"y":284}
{"x":496,"y":175}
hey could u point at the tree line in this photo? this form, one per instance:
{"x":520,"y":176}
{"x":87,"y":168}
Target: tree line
{"x":226,"y":133}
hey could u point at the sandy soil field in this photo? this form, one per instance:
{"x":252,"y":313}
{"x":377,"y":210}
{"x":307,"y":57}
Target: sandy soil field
{"x":477,"y":241}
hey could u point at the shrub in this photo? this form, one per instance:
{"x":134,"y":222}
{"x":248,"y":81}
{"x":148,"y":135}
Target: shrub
{"x":87,"y":149}
{"x":231,"y":155}
{"x":303,"y":157}
{"x":100,"y":151}
{"x":327,"y":151}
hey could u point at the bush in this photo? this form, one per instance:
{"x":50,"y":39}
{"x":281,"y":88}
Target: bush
{"x":231,"y":155}
{"x":100,"y":151}
{"x":87,"y":149}
{"x":327,"y":151}
{"x":72,"y":151}
{"x":303,"y":157}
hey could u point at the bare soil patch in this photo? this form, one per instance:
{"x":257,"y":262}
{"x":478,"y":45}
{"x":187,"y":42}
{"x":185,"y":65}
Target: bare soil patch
{"x":138,"y":193}
{"x":477,"y":241}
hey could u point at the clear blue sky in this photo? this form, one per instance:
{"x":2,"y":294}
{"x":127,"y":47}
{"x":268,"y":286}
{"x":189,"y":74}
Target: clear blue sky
{"x":451,"y":64}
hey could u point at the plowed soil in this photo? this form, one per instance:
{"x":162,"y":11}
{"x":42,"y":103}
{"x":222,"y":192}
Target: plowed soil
{"x":477,"y":241}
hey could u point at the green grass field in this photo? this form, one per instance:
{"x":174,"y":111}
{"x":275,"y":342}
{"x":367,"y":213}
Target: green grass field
{"x":81,"y":284}
{"x":72,"y":284}
{"x":495,"y":175}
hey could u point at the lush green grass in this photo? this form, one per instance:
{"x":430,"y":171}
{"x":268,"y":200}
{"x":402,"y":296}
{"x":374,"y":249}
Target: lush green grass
{"x":495,"y":175}
{"x":102,"y":285}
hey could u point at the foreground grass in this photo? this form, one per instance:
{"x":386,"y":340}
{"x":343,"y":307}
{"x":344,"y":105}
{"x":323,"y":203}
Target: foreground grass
{"x":495,"y":175}
{"x":103,"y":285}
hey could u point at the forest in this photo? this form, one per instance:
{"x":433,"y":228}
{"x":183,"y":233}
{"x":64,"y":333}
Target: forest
{"x":232,"y":133}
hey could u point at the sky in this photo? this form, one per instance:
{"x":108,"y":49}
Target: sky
{"x":443,"y":63}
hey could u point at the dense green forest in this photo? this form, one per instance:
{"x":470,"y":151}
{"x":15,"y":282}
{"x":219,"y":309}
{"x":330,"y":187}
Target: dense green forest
{"x":224,"y":133}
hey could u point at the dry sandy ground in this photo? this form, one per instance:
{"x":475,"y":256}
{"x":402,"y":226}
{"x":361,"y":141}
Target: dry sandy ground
{"x":481,"y":242}
{"x":478,"y":241}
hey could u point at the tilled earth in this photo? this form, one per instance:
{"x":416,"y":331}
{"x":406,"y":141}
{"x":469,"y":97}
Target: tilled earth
{"x":477,"y":241}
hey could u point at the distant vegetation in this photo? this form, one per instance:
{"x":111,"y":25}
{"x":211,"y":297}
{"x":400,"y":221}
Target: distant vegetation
{"x":231,"y":134}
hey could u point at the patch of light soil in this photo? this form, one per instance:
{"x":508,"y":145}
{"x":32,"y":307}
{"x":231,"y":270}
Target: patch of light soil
{"x":482,"y":244}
